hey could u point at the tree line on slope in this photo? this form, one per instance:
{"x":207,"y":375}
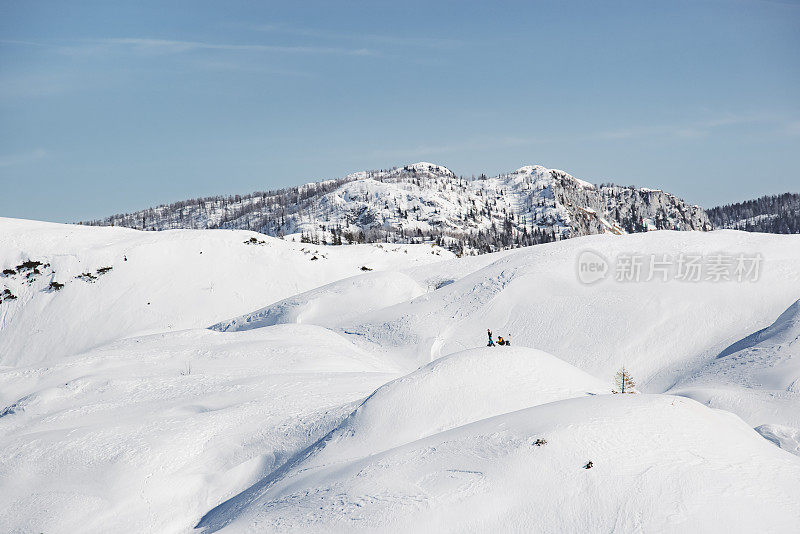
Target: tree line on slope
{"x":774,"y":214}
{"x":282,"y":211}
{"x":470,"y":219}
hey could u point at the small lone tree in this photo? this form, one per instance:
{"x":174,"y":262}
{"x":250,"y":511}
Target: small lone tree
{"x":624,"y":382}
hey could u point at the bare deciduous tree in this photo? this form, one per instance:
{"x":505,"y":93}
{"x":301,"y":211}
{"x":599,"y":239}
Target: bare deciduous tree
{"x":624,"y":382}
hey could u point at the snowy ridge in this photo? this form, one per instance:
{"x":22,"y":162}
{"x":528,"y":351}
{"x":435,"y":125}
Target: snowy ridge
{"x":785,"y":330}
{"x":424,"y":202}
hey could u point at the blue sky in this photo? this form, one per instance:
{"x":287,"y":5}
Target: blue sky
{"x":109,"y":106}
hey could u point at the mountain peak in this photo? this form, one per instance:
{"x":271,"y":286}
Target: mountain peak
{"x":530,"y":169}
{"x":539,"y":170}
{"x":425,"y":166}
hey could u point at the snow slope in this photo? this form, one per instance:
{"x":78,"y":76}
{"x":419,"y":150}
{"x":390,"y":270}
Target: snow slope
{"x":333,"y":303}
{"x":343,"y":301}
{"x":148,"y":433}
{"x":453,"y":391}
{"x":758,"y":378}
{"x":450,"y":392}
{"x":660,"y":464}
{"x":158,"y":282}
{"x":662,"y":331}
{"x":367,"y":400}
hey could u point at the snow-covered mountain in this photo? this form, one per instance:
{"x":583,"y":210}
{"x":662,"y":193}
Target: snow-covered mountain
{"x":424,"y":202}
{"x":204,"y":380}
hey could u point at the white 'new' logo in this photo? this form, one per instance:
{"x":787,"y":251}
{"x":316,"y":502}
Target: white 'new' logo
{"x":592,"y":267}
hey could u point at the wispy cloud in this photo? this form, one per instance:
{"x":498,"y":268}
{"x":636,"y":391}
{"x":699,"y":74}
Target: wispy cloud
{"x":167,"y":46}
{"x":385,"y":39}
{"x":171,"y":46}
{"x":11,"y":160}
{"x":22,"y":43}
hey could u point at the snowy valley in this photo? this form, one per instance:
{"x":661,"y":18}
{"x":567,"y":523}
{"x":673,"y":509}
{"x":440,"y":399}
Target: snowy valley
{"x":226,"y":380}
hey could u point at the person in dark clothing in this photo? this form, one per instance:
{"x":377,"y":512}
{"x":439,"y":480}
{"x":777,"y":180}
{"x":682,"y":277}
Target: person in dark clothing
{"x":491,"y":343}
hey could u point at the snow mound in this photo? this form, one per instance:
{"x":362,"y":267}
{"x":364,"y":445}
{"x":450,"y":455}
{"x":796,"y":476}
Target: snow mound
{"x":658,"y":464}
{"x":450,"y":392}
{"x":766,"y":359}
{"x":333,"y":303}
{"x":453,"y":391}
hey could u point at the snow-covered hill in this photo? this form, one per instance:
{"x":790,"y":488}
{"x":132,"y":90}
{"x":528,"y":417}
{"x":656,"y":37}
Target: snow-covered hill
{"x":149,"y":433}
{"x":355,"y":390}
{"x":660,"y":329}
{"x":658,"y":464}
{"x":120,"y":282}
{"x":427,"y":202}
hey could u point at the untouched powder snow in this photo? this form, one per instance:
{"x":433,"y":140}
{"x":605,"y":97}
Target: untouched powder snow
{"x":456,"y":390}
